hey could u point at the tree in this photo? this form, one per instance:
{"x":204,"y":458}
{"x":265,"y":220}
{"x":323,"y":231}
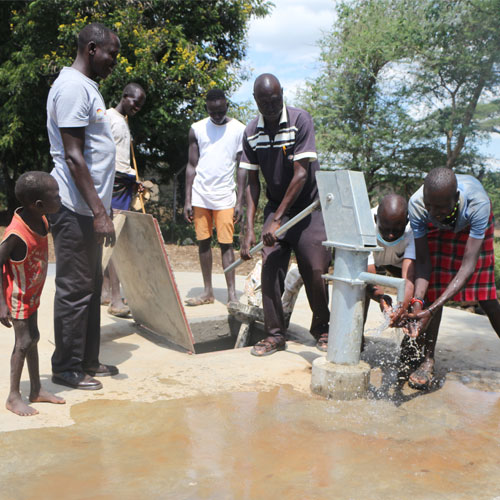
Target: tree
{"x":401,"y":84}
{"x":460,"y":64}
{"x":176,"y":49}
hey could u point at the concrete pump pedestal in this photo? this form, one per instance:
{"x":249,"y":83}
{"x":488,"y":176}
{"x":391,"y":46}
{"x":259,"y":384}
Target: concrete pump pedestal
{"x":341,"y":382}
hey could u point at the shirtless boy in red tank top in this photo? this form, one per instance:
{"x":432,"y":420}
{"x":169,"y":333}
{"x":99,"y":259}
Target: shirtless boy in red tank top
{"x":23,"y":260}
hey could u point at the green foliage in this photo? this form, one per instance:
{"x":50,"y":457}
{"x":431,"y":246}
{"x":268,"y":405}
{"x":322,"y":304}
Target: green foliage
{"x":497,"y":262}
{"x":487,"y":116}
{"x":177,"y":50}
{"x":244,"y":112}
{"x":177,"y":232}
{"x":491,"y":182}
{"x":401,"y":83}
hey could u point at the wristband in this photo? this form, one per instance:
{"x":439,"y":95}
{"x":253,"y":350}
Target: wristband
{"x":414,"y":300}
{"x":432,"y":311}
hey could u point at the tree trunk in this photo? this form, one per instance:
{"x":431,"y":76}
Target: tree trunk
{"x":471,"y":108}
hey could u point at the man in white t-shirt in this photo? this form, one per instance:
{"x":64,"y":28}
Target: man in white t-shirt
{"x":395,"y":236}
{"x":125,"y":184}
{"x":83,"y":152}
{"x":215,"y":145}
{"x":132,"y":101}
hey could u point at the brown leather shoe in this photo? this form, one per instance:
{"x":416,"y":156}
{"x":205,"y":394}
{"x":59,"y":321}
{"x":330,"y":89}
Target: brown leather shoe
{"x":76,"y":380}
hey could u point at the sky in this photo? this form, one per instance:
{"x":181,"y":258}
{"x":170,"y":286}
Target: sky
{"x":285,"y":43}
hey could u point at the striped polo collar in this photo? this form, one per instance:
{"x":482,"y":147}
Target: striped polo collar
{"x":283,"y":117}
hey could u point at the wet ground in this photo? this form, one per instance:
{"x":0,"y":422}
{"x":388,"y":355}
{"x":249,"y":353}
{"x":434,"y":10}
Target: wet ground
{"x":227,"y":425}
{"x":260,"y":445}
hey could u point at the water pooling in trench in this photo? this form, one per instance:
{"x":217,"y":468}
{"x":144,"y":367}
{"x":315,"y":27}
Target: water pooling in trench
{"x":259,"y":445}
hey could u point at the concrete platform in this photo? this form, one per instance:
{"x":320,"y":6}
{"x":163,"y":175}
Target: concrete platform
{"x":228,"y":425}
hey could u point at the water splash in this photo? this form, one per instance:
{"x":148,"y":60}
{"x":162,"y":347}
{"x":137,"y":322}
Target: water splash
{"x":395,"y":332}
{"x":379,"y":329}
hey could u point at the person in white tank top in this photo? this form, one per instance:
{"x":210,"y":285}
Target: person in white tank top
{"x":215,"y":146}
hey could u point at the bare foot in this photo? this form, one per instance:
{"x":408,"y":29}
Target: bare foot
{"x":199,"y":301}
{"x":46,"y":397}
{"x":15,"y":405}
{"x":422,"y":377}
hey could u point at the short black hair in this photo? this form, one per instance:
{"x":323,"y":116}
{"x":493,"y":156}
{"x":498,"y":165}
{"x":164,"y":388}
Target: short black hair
{"x":132,"y":88}
{"x":32,"y":186}
{"x":94,"y":32}
{"x":392,"y":204}
{"x":440,"y":179}
{"x":215,"y":95}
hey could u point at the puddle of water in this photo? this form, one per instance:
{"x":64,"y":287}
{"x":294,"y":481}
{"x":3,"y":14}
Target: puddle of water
{"x":263,"y":445}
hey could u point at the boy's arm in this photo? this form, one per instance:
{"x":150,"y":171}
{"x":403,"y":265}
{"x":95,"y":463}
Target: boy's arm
{"x":193,"y":158}
{"x":408,"y":274}
{"x":469,"y":261}
{"x":241,"y":182}
{"x":12,"y":246}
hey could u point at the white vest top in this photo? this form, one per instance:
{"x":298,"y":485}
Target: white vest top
{"x":214,"y":186}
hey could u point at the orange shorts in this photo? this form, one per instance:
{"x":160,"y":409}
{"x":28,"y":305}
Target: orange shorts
{"x":204,"y":220}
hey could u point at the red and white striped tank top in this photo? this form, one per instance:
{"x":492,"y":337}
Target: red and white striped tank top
{"x":23,"y":280}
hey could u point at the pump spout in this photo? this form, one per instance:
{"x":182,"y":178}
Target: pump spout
{"x":377,"y":279}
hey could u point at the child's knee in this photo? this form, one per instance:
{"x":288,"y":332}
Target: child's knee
{"x":25,"y":341}
{"x":24,"y":344}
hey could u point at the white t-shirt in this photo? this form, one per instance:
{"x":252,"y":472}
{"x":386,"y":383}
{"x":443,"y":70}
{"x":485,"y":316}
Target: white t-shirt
{"x":75,"y":101}
{"x":121,"y":135}
{"x":393,"y":255}
{"x":214,"y":187}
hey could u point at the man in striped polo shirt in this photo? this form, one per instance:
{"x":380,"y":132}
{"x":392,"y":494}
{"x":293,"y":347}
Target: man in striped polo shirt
{"x":280,"y":142}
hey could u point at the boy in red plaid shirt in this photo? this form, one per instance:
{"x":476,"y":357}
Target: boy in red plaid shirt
{"x":453,"y":226}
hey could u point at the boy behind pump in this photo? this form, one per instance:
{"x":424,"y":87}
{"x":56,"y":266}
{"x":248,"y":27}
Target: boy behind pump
{"x":23,"y":259}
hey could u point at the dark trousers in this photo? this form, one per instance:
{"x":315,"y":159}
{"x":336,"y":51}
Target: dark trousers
{"x":313,"y":259}
{"x":77,"y":304}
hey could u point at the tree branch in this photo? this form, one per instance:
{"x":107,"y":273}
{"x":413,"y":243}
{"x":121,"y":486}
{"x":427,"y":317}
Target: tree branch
{"x":469,"y":113}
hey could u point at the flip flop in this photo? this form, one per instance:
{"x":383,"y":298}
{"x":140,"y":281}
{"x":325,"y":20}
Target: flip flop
{"x":270,"y":346}
{"x":198,"y":301}
{"x":425,"y":373}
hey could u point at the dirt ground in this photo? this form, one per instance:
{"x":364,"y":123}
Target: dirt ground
{"x":185,"y":258}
